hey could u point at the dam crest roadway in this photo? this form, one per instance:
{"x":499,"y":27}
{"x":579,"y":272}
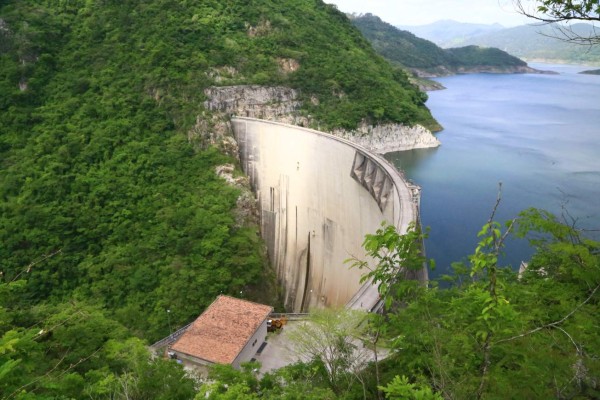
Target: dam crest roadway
{"x":318,"y":196}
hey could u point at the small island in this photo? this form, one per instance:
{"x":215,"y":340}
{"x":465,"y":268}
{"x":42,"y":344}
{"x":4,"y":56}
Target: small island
{"x":591,"y":72}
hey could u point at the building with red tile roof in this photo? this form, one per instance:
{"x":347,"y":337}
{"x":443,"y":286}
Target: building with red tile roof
{"x":229,"y":331}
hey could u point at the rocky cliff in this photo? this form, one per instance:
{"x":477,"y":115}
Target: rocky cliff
{"x":383,"y":139}
{"x":263,"y":102}
{"x":281,"y":104}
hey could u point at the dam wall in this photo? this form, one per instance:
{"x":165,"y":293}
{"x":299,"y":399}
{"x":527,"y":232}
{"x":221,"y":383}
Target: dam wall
{"x":318,"y":196}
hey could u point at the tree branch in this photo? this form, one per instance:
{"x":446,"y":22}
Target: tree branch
{"x":554,"y":324}
{"x":38,"y":379}
{"x":561,"y":12}
{"x":28,"y":268}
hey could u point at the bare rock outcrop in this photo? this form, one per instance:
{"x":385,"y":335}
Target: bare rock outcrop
{"x":274,"y":103}
{"x":387,"y":138}
{"x":213,"y":130}
{"x":287,"y":65}
{"x":442,"y":70}
{"x":264,"y":102}
{"x":246,"y":210}
{"x":4,"y":27}
{"x":281,"y":104}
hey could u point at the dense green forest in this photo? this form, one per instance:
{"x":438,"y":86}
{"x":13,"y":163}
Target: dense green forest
{"x":96,"y":101}
{"x":405,"y":49}
{"x":109,"y":216}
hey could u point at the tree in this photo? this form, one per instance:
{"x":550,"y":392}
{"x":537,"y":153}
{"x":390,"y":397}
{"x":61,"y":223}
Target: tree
{"x":334,"y":337}
{"x":396,"y":259}
{"x":73,"y":350}
{"x":229,"y":383}
{"x":401,"y":389}
{"x":494,"y":334}
{"x":297,"y":381}
{"x":563,"y":13}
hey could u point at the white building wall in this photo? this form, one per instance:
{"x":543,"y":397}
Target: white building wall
{"x":252,"y":346}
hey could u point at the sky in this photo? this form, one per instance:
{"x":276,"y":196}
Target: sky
{"x":422,"y":12}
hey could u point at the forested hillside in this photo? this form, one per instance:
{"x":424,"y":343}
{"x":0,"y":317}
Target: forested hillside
{"x":112,"y":223}
{"x":426,"y":58}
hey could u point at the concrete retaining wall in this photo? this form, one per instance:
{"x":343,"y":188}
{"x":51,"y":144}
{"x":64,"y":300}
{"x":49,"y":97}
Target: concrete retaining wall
{"x":319,"y":195}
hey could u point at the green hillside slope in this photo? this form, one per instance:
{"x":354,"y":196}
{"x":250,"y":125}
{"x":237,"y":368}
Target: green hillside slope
{"x":426,"y":58}
{"x":400,"y":46}
{"x":475,"y":56}
{"x":111,"y":222}
{"x":96,"y":99}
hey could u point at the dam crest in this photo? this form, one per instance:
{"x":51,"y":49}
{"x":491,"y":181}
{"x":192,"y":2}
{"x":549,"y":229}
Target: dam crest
{"x":318,"y":196}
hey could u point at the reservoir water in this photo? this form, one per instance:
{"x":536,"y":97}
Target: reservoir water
{"x":537,"y":134}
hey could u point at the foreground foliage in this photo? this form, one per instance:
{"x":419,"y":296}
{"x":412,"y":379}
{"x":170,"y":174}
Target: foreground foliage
{"x":72,"y":350}
{"x":564,"y":13}
{"x":491,"y":334}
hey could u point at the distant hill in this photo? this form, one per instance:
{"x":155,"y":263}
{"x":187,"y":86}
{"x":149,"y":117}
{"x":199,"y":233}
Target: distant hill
{"x":425,"y":58}
{"x":400,"y":46}
{"x":591,"y":72}
{"x":448,"y":33}
{"x":530,"y":42}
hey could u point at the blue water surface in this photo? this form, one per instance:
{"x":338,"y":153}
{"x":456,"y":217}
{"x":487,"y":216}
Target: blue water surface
{"x":537,"y":134}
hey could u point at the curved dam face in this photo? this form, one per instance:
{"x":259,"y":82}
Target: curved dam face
{"x":319,"y":196}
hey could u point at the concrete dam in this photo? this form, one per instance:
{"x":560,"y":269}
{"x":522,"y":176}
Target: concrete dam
{"x":318,"y":196}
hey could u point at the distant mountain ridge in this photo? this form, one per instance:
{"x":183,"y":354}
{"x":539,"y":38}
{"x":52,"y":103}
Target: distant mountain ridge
{"x":530,"y":42}
{"x":425,"y":59}
{"x":449,"y":33}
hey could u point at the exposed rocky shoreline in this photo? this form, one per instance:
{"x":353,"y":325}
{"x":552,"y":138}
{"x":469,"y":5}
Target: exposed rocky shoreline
{"x":389,"y":138}
{"x":480,"y":69}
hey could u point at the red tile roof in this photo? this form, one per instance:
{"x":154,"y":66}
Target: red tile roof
{"x":223,"y":329}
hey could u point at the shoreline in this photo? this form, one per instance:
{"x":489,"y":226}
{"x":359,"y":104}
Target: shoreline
{"x":389,"y":138}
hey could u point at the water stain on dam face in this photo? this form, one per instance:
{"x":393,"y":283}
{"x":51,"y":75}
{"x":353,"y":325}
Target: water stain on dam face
{"x":319,"y":196}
